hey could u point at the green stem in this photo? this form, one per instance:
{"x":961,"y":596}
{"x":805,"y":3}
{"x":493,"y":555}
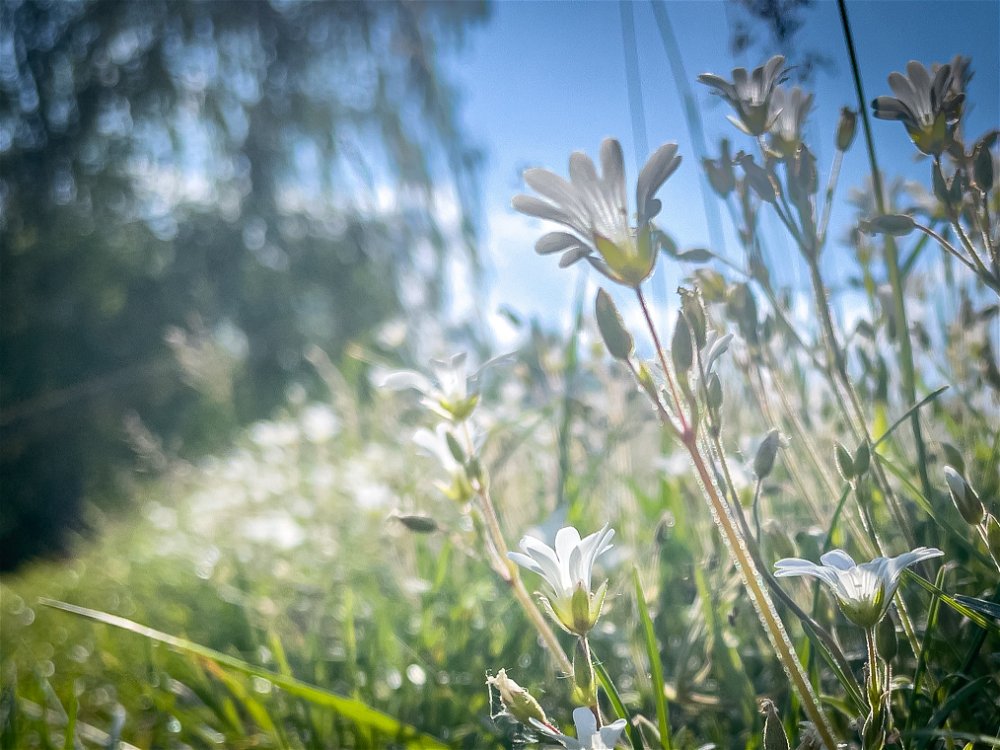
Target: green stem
{"x":510,"y":573}
{"x":749,"y":572}
{"x":891,"y":259}
{"x":661,"y":354}
{"x":831,"y":187}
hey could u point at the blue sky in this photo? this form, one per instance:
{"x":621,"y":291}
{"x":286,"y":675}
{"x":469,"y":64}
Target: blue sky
{"x":542,"y":79}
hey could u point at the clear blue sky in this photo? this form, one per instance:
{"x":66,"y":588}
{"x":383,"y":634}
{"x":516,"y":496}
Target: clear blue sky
{"x":542,"y":79}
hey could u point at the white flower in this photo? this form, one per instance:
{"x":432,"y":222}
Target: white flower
{"x":863,"y":591}
{"x":925,"y":105}
{"x":567,"y":571}
{"x":596,"y":209}
{"x":792,"y":108}
{"x":443,"y":446}
{"x":450,"y":396}
{"x":588,"y":736}
{"x":750,"y":94}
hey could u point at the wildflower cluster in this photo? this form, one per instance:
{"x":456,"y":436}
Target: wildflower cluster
{"x":777,"y":171}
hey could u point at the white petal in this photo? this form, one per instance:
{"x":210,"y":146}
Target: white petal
{"x":546,"y":558}
{"x":555,"y":242}
{"x":613,"y":169}
{"x":529,"y":204}
{"x":660,"y":166}
{"x":838,"y":559}
{"x":896,"y":565}
{"x":581,"y":170}
{"x":526,"y":562}
{"x":586,"y":725}
{"x":567,"y":539}
{"x":403,"y":379}
{"x":610,"y":733}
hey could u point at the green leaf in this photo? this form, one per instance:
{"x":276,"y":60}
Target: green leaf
{"x":354,"y":710}
{"x":952,"y":602}
{"x":988,"y":608}
{"x":655,"y":666}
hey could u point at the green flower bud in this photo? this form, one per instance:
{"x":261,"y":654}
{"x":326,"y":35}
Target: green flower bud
{"x":454,"y":448}
{"x":609,"y":322}
{"x":898,"y":225}
{"x":758,"y":178}
{"x":694,"y":312}
{"x":774,"y":733}
{"x":885,"y":639}
{"x":982,"y":167}
{"x":517,"y":701}
{"x":681,"y":351}
{"x":964,"y":497}
{"x":862,"y":459}
{"x":720,"y":171}
{"x":845,"y":464}
{"x":418,"y":524}
{"x":763,"y":461}
{"x":846,"y":128}
{"x":714,"y":392}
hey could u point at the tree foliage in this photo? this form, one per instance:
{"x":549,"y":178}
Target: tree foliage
{"x":192,"y":194}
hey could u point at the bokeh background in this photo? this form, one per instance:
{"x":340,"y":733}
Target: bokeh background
{"x":222,"y":222}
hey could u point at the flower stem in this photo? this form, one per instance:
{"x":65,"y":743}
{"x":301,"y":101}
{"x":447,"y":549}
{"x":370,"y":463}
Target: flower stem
{"x":678,"y":404}
{"x":891,"y":260}
{"x":752,"y":578}
{"x":510,"y":573}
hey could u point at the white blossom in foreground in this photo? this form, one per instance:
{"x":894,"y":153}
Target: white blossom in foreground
{"x":567,"y":570}
{"x":588,"y":735}
{"x":595,"y":208}
{"x":863,"y":591}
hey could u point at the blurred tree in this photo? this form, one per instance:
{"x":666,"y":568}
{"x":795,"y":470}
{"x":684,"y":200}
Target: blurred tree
{"x":191,"y":195}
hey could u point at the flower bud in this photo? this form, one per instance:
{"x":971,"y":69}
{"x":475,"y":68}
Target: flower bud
{"x":454,"y":448}
{"x":982,"y":167}
{"x":897,"y":225}
{"x":517,"y":701}
{"x":845,"y":464}
{"x":846,"y":128}
{"x":965,"y":498}
{"x":720,"y":171}
{"x":763,"y":461}
{"x":694,"y":311}
{"x":714,"y":392}
{"x":609,"y":322}
{"x":759,"y":179}
{"x":862,"y":459}
{"x":885,"y":639}
{"x":418,"y":524}
{"x":774,"y":734}
{"x":681,"y":351}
